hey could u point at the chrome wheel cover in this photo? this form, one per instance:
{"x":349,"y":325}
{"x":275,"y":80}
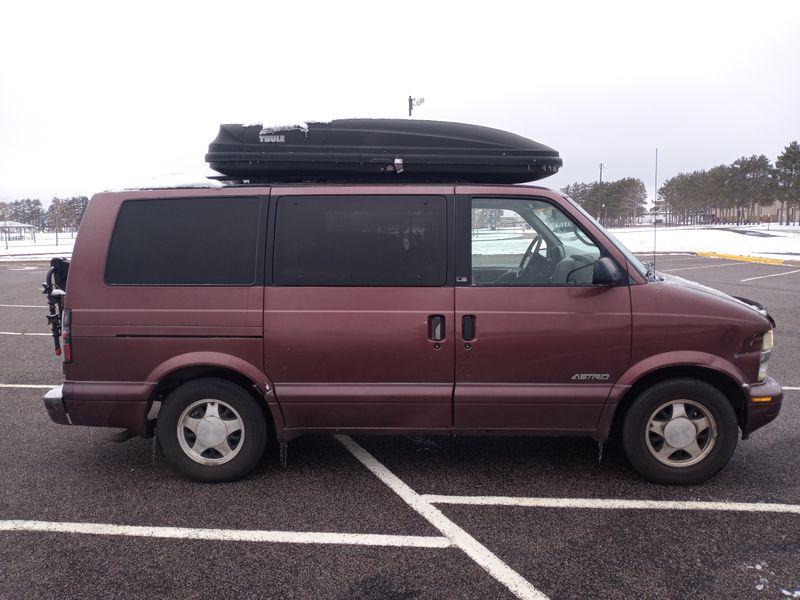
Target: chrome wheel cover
{"x":210,"y":432}
{"x":680,"y":433}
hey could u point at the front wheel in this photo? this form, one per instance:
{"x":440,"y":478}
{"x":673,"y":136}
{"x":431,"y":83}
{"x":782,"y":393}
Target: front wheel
{"x":680,"y":431}
{"x":211,"y":430}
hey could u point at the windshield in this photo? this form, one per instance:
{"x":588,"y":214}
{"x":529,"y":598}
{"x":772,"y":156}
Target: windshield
{"x":640,"y":267}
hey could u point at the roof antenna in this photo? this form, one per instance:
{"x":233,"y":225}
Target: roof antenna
{"x":655,"y":213}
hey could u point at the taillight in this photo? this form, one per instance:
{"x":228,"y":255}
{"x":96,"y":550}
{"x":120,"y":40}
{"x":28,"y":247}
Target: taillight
{"x":66,"y":334}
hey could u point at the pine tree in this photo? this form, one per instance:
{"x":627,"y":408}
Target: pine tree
{"x":787,"y":177}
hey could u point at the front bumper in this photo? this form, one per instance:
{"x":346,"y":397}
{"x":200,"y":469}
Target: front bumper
{"x":763,"y":405}
{"x":54,"y":403}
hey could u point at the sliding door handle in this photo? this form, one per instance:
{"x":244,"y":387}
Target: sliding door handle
{"x":436,"y":328}
{"x":468,"y":327}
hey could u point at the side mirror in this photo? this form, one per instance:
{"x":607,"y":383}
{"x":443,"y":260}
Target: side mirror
{"x":606,"y":272}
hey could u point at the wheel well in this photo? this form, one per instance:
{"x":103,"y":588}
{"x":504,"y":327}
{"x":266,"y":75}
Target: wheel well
{"x":730,"y":389}
{"x":177,"y":378}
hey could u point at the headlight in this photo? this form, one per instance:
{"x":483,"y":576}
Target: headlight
{"x":766,"y":350}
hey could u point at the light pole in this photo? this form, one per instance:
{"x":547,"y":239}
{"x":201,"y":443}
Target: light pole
{"x":412,"y":102}
{"x":600,"y":190}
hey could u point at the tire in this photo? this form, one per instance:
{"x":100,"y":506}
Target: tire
{"x":680,"y":432}
{"x":211,"y":430}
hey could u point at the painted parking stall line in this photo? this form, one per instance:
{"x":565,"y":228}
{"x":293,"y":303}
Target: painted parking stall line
{"x":459,"y":538}
{"x":40,"y":306}
{"x":669,"y":259}
{"x":729,"y":264}
{"x":228,"y":535}
{"x":26,"y":386}
{"x":773,"y":275}
{"x":21,"y":334}
{"x":614,"y":504}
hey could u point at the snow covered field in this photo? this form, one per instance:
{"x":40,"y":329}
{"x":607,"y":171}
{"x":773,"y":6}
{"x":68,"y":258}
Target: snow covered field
{"x":46,"y":246}
{"x":751,"y":240}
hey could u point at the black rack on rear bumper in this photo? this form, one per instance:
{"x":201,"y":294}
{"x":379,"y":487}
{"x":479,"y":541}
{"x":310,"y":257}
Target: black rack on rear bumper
{"x":55,"y":288}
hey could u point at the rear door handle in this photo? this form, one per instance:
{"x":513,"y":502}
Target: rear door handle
{"x":436,"y":328}
{"x":468,"y":327}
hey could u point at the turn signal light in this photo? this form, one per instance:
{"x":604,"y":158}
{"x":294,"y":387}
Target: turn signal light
{"x":761,"y":399}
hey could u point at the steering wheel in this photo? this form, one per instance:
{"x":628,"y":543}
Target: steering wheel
{"x":529,"y":252}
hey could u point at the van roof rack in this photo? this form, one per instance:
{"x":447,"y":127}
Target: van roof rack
{"x":378,"y":151}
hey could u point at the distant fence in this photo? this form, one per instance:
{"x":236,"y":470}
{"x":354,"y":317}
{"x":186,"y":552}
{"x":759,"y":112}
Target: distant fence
{"x":37,"y":243}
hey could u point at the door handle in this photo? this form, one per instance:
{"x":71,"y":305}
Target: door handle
{"x":468,"y":327}
{"x":436,"y":328}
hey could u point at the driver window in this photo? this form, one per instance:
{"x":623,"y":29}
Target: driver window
{"x":528,"y":243}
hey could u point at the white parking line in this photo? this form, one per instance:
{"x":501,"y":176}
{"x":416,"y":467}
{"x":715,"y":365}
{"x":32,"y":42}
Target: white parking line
{"x":614,"y":504}
{"x":730,"y":264}
{"x":773,"y":275}
{"x":44,"y":306}
{"x":17,"y":333}
{"x":26,"y":386}
{"x":230,"y":535}
{"x":684,"y":257}
{"x":517,"y":584}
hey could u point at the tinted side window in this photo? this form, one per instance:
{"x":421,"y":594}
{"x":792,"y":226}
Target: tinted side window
{"x":185,"y":241}
{"x":361,"y":241}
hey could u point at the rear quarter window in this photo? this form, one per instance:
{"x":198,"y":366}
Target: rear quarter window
{"x":185,"y":241}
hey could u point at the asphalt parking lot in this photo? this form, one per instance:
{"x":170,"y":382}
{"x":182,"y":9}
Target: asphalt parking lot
{"x":396,"y":517}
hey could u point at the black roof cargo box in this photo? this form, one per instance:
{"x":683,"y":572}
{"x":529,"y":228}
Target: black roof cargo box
{"x":379,"y":150}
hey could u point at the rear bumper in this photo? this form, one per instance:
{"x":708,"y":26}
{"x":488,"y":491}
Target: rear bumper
{"x":54,"y":403}
{"x":100,"y":404}
{"x":764,"y":404}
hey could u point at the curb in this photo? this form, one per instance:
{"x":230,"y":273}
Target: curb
{"x":752,"y":259}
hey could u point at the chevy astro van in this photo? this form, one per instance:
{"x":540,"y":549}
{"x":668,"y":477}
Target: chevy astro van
{"x":378,"y":297}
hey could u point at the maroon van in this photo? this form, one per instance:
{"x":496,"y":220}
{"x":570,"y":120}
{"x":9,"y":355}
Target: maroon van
{"x":219,"y":318}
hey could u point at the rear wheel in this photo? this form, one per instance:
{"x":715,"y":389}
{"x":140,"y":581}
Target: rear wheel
{"x":211,"y":430}
{"x":680,"y":431}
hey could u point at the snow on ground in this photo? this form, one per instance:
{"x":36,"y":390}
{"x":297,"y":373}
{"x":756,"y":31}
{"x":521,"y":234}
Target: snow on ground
{"x":44,"y":248}
{"x":512,"y":241}
{"x":745,"y":240}
{"x":756,"y":241}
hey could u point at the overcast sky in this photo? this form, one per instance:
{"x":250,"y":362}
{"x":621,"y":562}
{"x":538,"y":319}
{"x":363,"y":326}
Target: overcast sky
{"x":99,"y":96}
